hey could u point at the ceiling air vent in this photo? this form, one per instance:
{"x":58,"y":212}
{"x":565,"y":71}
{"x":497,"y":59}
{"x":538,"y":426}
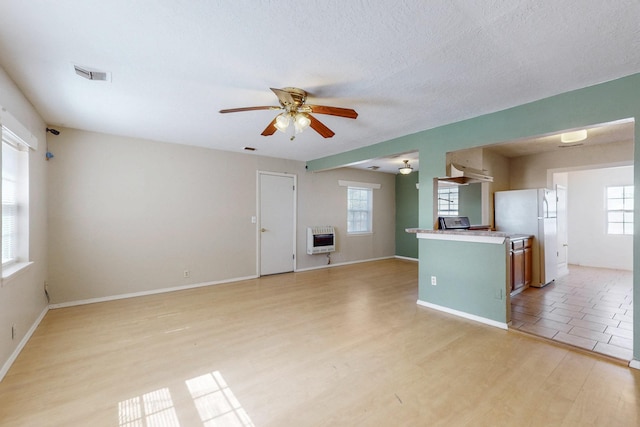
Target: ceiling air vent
{"x":91,"y":74}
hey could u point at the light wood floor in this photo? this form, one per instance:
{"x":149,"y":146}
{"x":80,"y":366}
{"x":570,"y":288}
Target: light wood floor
{"x":344,"y":346}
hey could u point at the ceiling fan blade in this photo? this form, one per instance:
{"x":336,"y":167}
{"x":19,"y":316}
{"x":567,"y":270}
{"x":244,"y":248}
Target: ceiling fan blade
{"x":284,"y":96}
{"x":236,"y":110}
{"x":270,"y":129}
{"x":320,"y":128}
{"x":334,"y":111}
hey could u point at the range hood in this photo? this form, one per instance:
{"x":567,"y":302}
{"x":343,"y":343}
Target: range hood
{"x":462,"y":175}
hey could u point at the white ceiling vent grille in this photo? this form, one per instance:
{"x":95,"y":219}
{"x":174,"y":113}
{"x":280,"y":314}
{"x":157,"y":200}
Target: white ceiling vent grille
{"x":91,"y":74}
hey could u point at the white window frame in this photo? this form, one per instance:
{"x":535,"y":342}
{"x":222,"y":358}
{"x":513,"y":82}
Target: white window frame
{"x":445,"y":199}
{"x":20,"y":257}
{"x":619,"y":209}
{"x":366,"y":225}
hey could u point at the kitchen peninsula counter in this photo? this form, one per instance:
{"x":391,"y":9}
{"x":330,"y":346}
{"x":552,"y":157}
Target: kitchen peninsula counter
{"x":466,"y":273}
{"x":476,"y":236}
{"x":479,"y":236}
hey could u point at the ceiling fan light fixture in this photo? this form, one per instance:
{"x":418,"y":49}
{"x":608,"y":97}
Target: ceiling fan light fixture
{"x":301,"y":122}
{"x":282,"y":122}
{"x":406,"y":169}
{"x":569,"y":137}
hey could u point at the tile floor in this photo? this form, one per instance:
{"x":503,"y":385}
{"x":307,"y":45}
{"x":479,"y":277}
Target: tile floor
{"x":589,"y":308}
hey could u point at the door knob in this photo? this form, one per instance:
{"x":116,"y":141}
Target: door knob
{"x":263,"y":230}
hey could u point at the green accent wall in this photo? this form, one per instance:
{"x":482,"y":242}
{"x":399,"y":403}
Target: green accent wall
{"x":470,"y":202}
{"x":462,"y":288}
{"x":602,"y":103}
{"x":406,"y":214}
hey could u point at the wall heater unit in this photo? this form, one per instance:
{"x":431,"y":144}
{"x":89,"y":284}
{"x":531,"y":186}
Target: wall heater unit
{"x":321,"y":240}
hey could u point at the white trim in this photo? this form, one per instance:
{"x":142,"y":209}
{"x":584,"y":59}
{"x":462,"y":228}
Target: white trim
{"x":356,"y":184}
{"x":459,"y":237}
{"x":23,"y":342}
{"x":16,"y":128}
{"x":406,"y":258}
{"x":12,"y":271}
{"x":342,"y":263}
{"x":635,"y":364}
{"x":151,"y":292}
{"x":469,"y":316}
{"x":258,"y":223}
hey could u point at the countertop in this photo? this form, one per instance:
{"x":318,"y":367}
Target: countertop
{"x":483,"y":233}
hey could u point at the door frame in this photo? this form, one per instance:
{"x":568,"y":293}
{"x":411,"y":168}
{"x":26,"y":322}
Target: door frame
{"x":259,"y":173}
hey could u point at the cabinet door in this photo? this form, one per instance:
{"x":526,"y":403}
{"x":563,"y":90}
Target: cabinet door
{"x":517,"y":268}
{"x":528,"y":263}
{"x":511,"y":264}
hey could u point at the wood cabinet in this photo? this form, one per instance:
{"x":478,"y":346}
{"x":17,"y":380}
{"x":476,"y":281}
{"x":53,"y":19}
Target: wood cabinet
{"x":521,"y":260}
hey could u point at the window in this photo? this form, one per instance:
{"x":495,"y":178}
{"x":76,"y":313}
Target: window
{"x":15,"y":196}
{"x":448,"y":201}
{"x":620,"y":209}
{"x":359,"y":210}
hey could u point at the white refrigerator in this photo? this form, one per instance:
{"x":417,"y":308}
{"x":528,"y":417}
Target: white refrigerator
{"x":532,"y":212}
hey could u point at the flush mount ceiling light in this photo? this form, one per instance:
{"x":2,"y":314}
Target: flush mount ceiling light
{"x":569,"y":137}
{"x":406,"y":169}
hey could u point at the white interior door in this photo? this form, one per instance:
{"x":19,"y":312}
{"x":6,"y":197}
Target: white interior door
{"x":563,"y":234}
{"x":277,"y":223}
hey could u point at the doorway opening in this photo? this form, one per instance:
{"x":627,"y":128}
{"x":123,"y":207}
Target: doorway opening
{"x":590,"y":305}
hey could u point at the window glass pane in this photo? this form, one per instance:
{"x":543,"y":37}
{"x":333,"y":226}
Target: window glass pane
{"x":615,"y":192}
{"x":615,"y":204}
{"x":628,"y":191}
{"x":615,"y":228}
{"x":9,"y":203}
{"x":359,"y":203}
{"x":448,"y":201}
{"x":620,"y":209}
{"x":616,"y":216}
{"x":628,"y":204}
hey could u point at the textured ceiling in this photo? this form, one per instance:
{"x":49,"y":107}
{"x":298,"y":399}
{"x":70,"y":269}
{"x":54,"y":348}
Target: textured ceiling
{"x":405,"y":66}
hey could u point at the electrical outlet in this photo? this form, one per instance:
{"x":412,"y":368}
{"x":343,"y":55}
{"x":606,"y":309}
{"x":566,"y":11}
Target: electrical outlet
{"x":186,"y":274}
{"x":433,"y":281}
{"x":13,"y":332}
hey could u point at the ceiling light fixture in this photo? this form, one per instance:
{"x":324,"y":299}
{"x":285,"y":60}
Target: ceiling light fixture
{"x":301,"y":121}
{"x":406,"y":169}
{"x":569,"y":137}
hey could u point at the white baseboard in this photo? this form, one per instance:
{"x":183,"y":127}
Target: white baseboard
{"x":635,"y":364}
{"x":23,"y":342}
{"x":406,"y":258}
{"x":469,"y":316}
{"x":341,"y":264}
{"x":151,"y":292}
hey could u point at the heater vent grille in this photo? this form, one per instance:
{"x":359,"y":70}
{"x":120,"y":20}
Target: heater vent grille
{"x":91,"y":74}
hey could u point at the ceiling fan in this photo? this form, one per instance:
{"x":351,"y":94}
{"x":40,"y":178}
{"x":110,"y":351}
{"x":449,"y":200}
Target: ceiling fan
{"x":296,"y":111}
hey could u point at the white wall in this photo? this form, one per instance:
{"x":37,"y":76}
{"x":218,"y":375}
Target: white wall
{"x":589,"y":243}
{"x":22,"y":299}
{"x":536,"y":171}
{"x":129,"y":215}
